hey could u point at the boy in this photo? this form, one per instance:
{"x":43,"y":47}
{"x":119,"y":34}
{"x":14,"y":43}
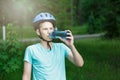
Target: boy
{"x":46,"y":60}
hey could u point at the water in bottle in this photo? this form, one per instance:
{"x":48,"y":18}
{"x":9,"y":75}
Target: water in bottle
{"x":56,"y":34}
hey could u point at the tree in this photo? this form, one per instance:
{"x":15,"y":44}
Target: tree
{"x":102,"y":15}
{"x":112,"y":16}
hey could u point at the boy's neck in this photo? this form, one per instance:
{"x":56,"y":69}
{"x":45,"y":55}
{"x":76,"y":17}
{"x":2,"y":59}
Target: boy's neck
{"x":44,"y":44}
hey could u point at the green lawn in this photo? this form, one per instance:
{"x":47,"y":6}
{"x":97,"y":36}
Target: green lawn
{"x":101,"y":59}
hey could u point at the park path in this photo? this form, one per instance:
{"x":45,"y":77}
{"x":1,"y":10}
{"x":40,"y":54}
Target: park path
{"x":75,"y":36}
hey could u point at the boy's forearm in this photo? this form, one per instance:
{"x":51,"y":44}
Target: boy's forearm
{"x":78,"y":60}
{"x":25,"y":77}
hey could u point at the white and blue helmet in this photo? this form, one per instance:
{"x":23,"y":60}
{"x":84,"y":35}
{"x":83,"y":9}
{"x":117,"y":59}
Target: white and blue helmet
{"x":43,"y":16}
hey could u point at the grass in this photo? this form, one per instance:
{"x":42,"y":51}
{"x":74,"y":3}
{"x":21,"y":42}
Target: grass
{"x":101,"y":59}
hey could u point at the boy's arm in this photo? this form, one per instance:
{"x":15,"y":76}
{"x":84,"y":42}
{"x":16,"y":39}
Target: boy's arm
{"x":74,"y":56}
{"x":27,"y":71}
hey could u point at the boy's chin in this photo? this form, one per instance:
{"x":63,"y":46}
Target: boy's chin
{"x":50,"y":39}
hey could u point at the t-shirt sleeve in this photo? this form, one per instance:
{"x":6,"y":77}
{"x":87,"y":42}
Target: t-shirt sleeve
{"x":28,"y":55}
{"x":66,"y":49}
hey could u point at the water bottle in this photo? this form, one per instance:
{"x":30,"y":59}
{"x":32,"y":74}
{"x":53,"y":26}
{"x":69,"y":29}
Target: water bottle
{"x":57,"y":34}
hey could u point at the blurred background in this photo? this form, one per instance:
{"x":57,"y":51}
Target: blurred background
{"x":101,"y":54}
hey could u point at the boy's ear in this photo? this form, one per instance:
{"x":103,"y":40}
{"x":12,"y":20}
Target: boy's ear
{"x":37,"y":32}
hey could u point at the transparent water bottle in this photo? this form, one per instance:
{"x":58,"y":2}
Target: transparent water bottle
{"x":57,"y":34}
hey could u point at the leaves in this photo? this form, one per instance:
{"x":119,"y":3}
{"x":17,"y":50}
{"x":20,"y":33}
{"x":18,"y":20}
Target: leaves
{"x":102,"y":16}
{"x":10,"y":52}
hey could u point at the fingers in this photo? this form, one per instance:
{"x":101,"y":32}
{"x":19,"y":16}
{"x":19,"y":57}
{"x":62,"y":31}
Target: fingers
{"x":69,"y":39}
{"x":69,"y":35}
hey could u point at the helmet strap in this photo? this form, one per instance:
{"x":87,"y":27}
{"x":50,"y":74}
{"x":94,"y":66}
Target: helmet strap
{"x":48,"y":42}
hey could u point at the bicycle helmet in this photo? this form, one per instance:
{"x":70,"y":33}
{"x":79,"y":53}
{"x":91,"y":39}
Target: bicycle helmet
{"x":44,"y":16}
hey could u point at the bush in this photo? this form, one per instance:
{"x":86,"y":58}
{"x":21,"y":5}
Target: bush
{"x":95,"y":24}
{"x":10,"y":53}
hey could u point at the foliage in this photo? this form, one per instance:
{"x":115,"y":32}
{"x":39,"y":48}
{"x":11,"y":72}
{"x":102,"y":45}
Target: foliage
{"x":10,"y":54}
{"x":112,"y":25}
{"x":21,"y":12}
{"x":91,"y":11}
{"x":95,"y":24}
{"x":102,"y":16}
{"x":62,"y":11}
{"x":77,"y":12}
{"x":78,"y":30}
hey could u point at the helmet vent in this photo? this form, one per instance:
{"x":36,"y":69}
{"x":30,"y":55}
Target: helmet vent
{"x":41,"y":16}
{"x":46,"y":15}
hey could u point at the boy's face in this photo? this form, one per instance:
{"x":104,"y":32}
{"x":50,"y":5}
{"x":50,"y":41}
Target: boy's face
{"x":45,"y":29}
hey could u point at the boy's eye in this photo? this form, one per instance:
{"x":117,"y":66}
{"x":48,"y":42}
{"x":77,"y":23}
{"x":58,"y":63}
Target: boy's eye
{"x":45,"y":29}
{"x":51,"y":28}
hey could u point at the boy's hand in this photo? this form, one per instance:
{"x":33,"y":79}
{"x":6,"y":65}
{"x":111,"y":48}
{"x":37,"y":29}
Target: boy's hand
{"x":69,"y":39}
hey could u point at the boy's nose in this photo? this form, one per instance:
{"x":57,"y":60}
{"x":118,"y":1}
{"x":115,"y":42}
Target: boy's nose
{"x":49,"y":31}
